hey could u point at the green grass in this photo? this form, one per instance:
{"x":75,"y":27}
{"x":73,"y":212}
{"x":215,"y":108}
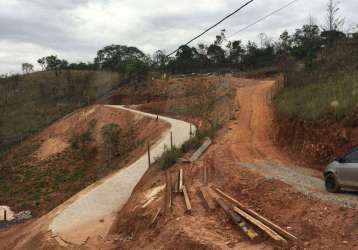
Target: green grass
{"x":331,"y":99}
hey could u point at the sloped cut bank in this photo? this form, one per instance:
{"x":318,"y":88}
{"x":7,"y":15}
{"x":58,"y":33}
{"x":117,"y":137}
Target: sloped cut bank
{"x":94,"y":209}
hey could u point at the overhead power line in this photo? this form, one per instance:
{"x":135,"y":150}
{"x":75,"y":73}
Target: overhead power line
{"x":222,"y":20}
{"x":262,"y":18}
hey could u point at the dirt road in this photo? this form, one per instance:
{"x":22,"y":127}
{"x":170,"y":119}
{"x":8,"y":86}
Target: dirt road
{"x":251,"y":143}
{"x":246,"y":164}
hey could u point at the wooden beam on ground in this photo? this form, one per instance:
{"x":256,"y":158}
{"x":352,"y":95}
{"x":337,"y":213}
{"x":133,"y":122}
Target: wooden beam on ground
{"x":187,"y":199}
{"x":237,"y":219}
{"x":207,"y":198}
{"x":181,"y":180}
{"x":176,"y":184}
{"x":201,"y":150}
{"x":205,"y":169}
{"x":168,"y":193}
{"x":268,"y":223}
{"x":275,"y":236}
{"x":156,"y":215}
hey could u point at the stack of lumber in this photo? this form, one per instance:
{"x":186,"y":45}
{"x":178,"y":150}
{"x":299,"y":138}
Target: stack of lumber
{"x":237,"y":211}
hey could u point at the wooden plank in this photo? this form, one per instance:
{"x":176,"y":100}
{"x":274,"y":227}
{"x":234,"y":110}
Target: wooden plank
{"x":169,"y":190}
{"x":237,"y":219}
{"x":187,"y":200}
{"x":201,"y":150}
{"x":259,"y":217}
{"x":167,"y":194}
{"x":205,"y":176}
{"x":181,"y":180}
{"x":207,"y":198}
{"x":260,"y":225}
{"x":156,"y":216}
{"x":176,"y":184}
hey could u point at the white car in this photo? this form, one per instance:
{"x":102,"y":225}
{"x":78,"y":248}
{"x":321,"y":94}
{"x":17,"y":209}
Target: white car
{"x":342,"y":173}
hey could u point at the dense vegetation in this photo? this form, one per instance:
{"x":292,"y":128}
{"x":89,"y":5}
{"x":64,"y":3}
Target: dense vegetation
{"x":320,"y":78}
{"x":31,"y":102}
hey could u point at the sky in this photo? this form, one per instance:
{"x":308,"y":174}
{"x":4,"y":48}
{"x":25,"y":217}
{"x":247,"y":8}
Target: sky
{"x":76,"y":29}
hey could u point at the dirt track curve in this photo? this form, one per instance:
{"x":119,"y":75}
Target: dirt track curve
{"x":251,"y":143}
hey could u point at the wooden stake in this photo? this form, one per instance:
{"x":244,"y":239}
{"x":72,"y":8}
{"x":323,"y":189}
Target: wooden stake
{"x":176,"y":185}
{"x":205,"y":176}
{"x":156,"y":216}
{"x":148,"y":155}
{"x":5,"y":219}
{"x":171,"y":140}
{"x":168,"y":193}
{"x":259,"y":217}
{"x":187,"y":200}
{"x":181,"y":180}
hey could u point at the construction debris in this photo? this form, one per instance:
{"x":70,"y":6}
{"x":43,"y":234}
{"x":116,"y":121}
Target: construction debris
{"x":201,"y":150}
{"x":186,"y":198}
{"x":23,"y":215}
{"x":275,"y":236}
{"x":156,"y":216}
{"x":205,"y":175}
{"x":260,"y":218}
{"x":168,"y":192}
{"x":181,"y":180}
{"x":237,"y":219}
{"x":207,"y":198}
{"x":6,"y":214}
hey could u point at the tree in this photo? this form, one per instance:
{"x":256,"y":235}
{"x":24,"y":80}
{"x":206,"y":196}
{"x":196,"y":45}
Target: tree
{"x":136,"y":70}
{"x":27,"y":68}
{"x":203,"y":100}
{"x":333,"y":21}
{"x":52,"y":62}
{"x":307,"y":43}
{"x":186,"y":60}
{"x":115,"y":57}
{"x":160,"y":60}
{"x":333,"y":25}
{"x":111,"y":138}
{"x":236,"y":52}
{"x":216,"y":54}
{"x":42,"y":62}
{"x":285,"y":43}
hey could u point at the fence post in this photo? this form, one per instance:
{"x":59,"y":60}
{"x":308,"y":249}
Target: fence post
{"x":148,"y":155}
{"x":191,"y":132}
{"x":171,"y":140}
{"x":5,"y":219}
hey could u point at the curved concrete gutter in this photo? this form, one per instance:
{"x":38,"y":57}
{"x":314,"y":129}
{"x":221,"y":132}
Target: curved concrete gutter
{"x":92,"y":213}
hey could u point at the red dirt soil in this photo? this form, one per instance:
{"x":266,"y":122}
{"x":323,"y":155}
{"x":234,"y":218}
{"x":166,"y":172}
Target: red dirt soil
{"x":313,"y":143}
{"x":317,"y":224}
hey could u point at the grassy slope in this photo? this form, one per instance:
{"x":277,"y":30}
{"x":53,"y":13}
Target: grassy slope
{"x":332,"y":99}
{"x":37,"y":100}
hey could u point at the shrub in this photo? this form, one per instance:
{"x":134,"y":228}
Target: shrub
{"x":168,"y":158}
{"x":78,"y":141}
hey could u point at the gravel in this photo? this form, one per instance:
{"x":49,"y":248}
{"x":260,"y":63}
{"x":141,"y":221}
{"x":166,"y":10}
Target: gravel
{"x":304,"y":181}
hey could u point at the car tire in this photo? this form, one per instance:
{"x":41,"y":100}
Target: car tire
{"x":331,"y":183}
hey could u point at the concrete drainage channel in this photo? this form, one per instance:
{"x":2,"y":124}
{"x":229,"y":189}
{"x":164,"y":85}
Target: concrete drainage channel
{"x":94,"y":209}
{"x":8,"y":217}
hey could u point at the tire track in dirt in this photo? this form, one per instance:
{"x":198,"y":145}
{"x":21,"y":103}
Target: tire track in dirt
{"x":252,"y":145}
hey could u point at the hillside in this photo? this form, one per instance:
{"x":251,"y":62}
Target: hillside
{"x":31,"y":102}
{"x":71,"y":154}
{"x":316,"y":108}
